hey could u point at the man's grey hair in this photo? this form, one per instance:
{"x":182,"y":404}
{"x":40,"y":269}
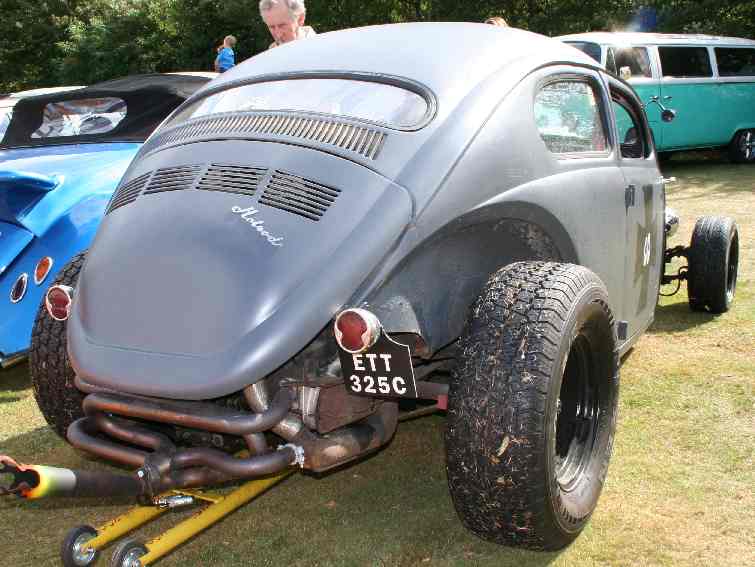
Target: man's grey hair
{"x":295,"y":7}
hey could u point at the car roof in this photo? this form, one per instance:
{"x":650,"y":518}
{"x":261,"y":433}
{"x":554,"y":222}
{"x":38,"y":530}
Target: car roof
{"x":148,"y":101}
{"x":644,"y":38}
{"x":10,"y":100}
{"x":433,"y":54}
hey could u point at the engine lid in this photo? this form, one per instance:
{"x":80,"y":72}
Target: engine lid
{"x":207,"y":274}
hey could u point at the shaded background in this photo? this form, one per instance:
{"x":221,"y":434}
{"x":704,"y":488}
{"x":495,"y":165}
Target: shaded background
{"x":69,"y":42}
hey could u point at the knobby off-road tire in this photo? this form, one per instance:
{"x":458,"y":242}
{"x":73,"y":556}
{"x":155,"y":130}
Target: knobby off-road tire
{"x":713,"y":264}
{"x":532,"y":405}
{"x":51,"y":373}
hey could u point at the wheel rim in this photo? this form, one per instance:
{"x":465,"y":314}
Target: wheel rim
{"x":746,"y":145}
{"x":577,"y":415}
{"x":131,"y":558}
{"x":731,"y":272}
{"x":81,"y":555}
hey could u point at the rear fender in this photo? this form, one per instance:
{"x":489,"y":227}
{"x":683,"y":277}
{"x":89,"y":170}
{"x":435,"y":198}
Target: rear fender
{"x":431,"y":291}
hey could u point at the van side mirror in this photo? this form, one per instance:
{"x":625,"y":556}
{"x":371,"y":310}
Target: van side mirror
{"x":668,"y":115}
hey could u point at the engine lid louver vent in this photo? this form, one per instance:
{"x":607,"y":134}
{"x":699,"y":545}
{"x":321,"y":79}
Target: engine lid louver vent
{"x":232,"y":178}
{"x":128,"y":192}
{"x":363,"y":140}
{"x":173,"y":179}
{"x":298,"y":195}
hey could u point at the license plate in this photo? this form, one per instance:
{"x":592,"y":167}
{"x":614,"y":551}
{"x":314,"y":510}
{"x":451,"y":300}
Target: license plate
{"x":384,"y":371}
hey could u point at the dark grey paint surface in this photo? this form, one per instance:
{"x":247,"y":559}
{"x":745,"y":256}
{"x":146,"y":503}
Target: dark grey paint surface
{"x":180,"y":298}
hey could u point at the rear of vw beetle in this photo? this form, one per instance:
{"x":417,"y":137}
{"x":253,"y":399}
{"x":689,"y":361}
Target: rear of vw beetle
{"x":307,"y":240}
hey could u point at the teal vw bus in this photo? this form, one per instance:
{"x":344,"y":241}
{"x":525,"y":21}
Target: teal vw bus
{"x":708,"y":82}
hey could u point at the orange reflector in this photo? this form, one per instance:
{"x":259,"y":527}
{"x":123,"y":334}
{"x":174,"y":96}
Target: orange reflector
{"x":42,"y":269}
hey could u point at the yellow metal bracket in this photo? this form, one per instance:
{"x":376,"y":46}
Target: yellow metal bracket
{"x":219,"y":506}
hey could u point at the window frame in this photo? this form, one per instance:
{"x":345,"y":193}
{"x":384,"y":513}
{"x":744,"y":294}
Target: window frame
{"x":600,"y":97}
{"x":618,"y":93}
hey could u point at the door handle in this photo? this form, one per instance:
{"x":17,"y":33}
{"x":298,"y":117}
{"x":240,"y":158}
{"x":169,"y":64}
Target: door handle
{"x":668,"y":97}
{"x":629,"y":196}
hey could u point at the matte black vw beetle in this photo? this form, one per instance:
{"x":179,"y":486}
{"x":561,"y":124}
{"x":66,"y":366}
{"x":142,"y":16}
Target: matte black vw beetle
{"x":323,"y":230}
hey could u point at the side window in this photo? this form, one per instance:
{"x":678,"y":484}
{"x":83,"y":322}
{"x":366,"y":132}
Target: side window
{"x":631,"y":139}
{"x":588,"y":48}
{"x":685,"y":62}
{"x":611,"y":62}
{"x":735,"y":61}
{"x":568,"y":117}
{"x":631,"y":62}
{"x":81,"y":117}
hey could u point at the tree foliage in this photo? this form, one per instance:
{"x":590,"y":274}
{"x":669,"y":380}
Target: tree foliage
{"x":64,"y":42}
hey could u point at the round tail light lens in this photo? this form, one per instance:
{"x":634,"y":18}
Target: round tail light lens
{"x":356,"y":330}
{"x":42,"y":269}
{"x":18,"y":290}
{"x":58,"y":302}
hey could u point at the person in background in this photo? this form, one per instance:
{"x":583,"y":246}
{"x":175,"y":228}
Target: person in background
{"x":226,"y":57}
{"x":285,"y":20}
{"x":497,"y":21}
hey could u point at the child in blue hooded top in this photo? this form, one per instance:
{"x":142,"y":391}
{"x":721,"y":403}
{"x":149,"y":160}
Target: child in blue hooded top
{"x":226,"y":58}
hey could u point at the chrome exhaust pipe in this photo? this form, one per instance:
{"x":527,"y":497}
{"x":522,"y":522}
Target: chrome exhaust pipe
{"x":32,"y":482}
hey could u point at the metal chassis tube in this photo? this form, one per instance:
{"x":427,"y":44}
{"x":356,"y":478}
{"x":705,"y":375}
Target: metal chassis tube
{"x":220,"y":505}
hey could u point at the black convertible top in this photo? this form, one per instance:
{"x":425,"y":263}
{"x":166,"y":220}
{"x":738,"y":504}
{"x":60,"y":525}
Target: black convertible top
{"x":148,"y":101}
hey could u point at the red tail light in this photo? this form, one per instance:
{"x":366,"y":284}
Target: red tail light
{"x":42,"y":269}
{"x":18,"y":290}
{"x":58,"y":302}
{"x":356,"y":330}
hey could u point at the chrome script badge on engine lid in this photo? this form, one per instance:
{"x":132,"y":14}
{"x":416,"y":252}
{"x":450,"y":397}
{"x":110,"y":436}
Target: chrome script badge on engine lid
{"x":383,"y":370}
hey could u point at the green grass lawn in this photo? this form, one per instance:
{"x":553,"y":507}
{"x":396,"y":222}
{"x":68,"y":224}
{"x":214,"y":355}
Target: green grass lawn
{"x":679,"y":489}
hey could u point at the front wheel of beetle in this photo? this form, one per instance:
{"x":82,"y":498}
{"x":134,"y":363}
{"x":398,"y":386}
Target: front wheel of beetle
{"x":532,"y":405}
{"x":713,"y":264}
{"x":73,"y":552}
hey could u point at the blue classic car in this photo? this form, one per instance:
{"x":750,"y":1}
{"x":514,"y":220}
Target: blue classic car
{"x":61,"y":156}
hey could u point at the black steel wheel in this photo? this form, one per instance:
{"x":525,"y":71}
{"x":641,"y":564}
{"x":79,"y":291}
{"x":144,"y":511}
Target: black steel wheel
{"x":713,"y":264}
{"x":128,"y":553}
{"x":532,"y":405}
{"x":742,"y":147}
{"x":72,"y":551}
{"x":51,"y":373}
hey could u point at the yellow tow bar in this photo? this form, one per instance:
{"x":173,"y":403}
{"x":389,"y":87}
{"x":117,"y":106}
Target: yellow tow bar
{"x":83,"y":544}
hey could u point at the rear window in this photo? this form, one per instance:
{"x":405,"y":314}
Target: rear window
{"x":685,"y":62}
{"x":81,"y":117}
{"x":735,"y":61}
{"x":381,"y":103}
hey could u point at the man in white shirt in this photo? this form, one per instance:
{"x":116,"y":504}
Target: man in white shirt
{"x":285,"y":20}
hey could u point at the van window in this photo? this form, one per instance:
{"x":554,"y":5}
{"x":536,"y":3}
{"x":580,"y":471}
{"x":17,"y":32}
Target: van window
{"x":685,"y":62}
{"x":635,"y":59}
{"x":735,"y":61}
{"x":588,"y":48}
{"x":568,"y":117}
